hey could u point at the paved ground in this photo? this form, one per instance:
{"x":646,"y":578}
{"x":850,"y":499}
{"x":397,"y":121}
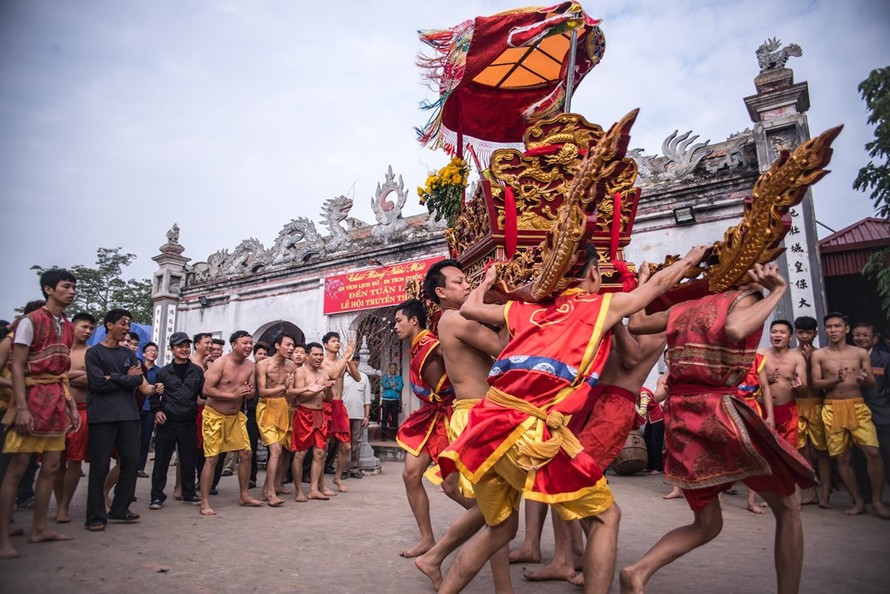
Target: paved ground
{"x":351,"y":544}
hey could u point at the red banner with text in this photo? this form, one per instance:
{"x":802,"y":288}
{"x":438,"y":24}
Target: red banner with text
{"x":376,"y":287}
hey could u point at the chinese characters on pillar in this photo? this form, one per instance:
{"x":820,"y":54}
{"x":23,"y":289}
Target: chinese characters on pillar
{"x":800,"y":280}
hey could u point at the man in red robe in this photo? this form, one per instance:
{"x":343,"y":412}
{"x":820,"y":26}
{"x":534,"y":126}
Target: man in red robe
{"x":41,"y":409}
{"x":423,"y":434}
{"x":517,"y":442}
{"x":713,"y":437}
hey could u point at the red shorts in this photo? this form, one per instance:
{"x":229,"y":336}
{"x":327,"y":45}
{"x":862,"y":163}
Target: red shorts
{"x":786,"y":419}
{"x":339,"y":427}
{"x":310,"y":429}
{"x":604,"y":430}
{"x":77,"y":443}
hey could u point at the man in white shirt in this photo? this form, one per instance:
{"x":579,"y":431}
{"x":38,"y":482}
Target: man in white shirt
{"x":357,"y":399}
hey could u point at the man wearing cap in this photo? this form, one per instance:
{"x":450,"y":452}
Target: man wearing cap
{"x":175,"y":413}
{"x":357,"y":399}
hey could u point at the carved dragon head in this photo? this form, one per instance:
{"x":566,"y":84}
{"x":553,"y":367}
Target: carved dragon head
{"x":336,"y":209}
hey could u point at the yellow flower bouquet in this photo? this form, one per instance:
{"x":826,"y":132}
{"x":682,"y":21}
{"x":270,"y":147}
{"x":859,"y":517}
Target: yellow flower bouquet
{"x":443,"y":193}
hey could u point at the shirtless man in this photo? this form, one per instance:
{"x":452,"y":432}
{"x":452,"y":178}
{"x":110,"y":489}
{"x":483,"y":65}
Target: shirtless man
{"x":312,"y":387}
{"x":786,"y":372}
{"x":275,"y":375}
{"x":468,"y":349}
{"x":842,"y":371}
{"x":224,"y":427}
{"x":810,"y":428}
{"x":337,"y":367}
{"x":75,"y":442}
{"x":603,"y":434}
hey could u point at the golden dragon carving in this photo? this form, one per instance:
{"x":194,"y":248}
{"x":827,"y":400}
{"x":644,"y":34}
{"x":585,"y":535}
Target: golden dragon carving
{"x":602,"y":169}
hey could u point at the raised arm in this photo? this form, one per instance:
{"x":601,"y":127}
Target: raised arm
{"x":475,"y":308}
{"x":478,"y":335}
{"x":743,"y":321}
{"x":625,"y":304}
{"x":799,"y":383}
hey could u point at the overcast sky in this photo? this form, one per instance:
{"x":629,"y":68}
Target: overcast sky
{"x":231,"y":118}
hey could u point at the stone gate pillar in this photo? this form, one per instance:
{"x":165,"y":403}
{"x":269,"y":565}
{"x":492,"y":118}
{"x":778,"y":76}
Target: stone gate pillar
{"x":165,"y":288}
{"x":778,"y":111}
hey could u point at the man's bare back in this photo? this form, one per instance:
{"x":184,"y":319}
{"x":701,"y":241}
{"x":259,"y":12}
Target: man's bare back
{"x":630,"y":372}
{"x":467,"y":365}
{"x":226,"y":376}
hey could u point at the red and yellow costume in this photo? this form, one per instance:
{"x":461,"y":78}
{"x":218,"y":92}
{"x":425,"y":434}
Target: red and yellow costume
{"x":339,"y":425}
{"x":517,"y":440}
{"x":46,"y":386}
{"x":603,"y":425}
{"x":713,"y":437}
{"x":749,"y":390}
{"x":426,"y":428}
{"x":310,"y":429}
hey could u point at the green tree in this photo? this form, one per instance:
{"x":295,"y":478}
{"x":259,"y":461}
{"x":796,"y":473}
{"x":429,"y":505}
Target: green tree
{"x":103,"y":287}
{"x":875,"y":176}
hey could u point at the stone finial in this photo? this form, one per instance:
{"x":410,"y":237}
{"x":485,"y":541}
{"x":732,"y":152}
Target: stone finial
{"x":770,"y":57}
{"x":172,"y":246}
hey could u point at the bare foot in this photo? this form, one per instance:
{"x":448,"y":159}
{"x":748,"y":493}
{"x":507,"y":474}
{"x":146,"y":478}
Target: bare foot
{"x":282,"y":490}
{"x":525,"y":554}
{"x":62,"y":517}
{"x":430,"y":570}
{"x":327,"y":493}
{"x":276,"y":502}
{"x":250,"y":502}
{"x":300,"y":497}
{"x":419,"y":549}
{"x":340,"y":486}
{"x":825,"y":504}
{"x":8,"y":552}
{"x":551,"y":571}
{"x":881,"y":509}
{"x":314,"y":494}
{"x":48,"y":536}
{"x":755,"y":508}
{"x":811,"y":500}
{"x":578,"y":580}
{"x":857,"y":509}
{"x":630,"y":582}
{"x":264,"y":497}
{"x":207,"y":511}
{"x":676,"y":493}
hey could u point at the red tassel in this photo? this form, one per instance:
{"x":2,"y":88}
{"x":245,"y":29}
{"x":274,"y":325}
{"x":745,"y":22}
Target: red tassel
{"x":510,"y":222}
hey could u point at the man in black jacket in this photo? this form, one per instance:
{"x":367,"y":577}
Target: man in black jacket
{"x":175,"y":413}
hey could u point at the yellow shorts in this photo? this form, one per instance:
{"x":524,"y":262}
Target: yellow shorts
{"x":810,"y":428}
{"x":499,"y":490}
{"x":223,"y":433}
{"x":16,"y":443}
{"x":848,"y":422}
{"x":459,"y":417}
{"x":275,"y":421}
